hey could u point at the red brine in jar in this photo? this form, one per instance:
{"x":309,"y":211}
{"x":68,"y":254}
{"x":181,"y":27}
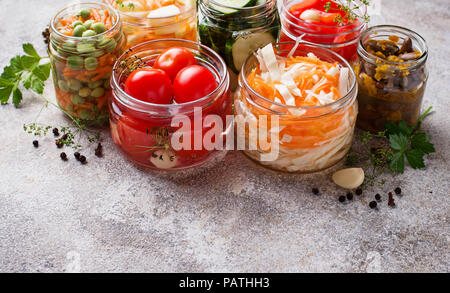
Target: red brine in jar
{"x":324,"y":23}
{"x":143,"y":131}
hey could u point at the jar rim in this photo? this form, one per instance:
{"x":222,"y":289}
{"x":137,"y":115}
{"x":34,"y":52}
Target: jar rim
{"x":82,"y":4}
{"x":371,"y":58}
{"x":239,"y":8}
{"x":363,"y":22}
{"x":115,"y":82}
{"x":243,"y":81}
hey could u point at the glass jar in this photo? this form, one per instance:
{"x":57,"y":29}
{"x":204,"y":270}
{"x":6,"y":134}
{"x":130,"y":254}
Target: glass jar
{"x":315,"y":138}
{"x":82,"y":66}
{"x":144,"y":132}
{"x":146,"y":23}
{"x":342,"y":39}
{"x":390,"y":90}
{"x":235,"y":33}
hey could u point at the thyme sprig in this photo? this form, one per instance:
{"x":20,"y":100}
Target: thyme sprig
{"x":349,"y":7}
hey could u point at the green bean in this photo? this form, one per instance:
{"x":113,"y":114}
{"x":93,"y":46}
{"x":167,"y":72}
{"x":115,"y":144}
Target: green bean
{"x":107,"y":84}
{"x":74,"y":84}
{"x":78,"y":31}
{"x":85,"y":48}
{"x":88,"y":24}
{"x":62,"y":84}
{"x":84,"y":92}
{"x":99,"y":27}
{"x":98,"y":92}
{"x":85,"y":114}
{"x":85,"y":13}
{"x":94,"y":84}
{"x":75,"y":62}
{"x":77,"y":23}
{"x":88,"y":33}
{"x":76,"y":99}
{"x":90,"y":63}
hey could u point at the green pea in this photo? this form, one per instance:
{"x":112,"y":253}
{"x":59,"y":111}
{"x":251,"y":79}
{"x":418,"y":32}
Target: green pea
{"x":84,"y":92}
{"x":97,"y":53}
{"x":76,"y":99}
{"x":94,"y":84}
{"x":99,"y":27}
{"x":88,"y":24}
{"x":74,"y":84}
{"x":75,"y":62}
{"x":77,"y":23}
{"x":98,"y":92}
{"x":85,"y":114}
{"x":62,"y":84}
{"x":111,"y":47}
{"x":84,"y":13}
{"x":62,"y":52}
{"x":78,"y":31}
{"x":105,"y":43}
{"x":90,"y":63}
{"x":88,"y":33}
{"x":85,"y":48}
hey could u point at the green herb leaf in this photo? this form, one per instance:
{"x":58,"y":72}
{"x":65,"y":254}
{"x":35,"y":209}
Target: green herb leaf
{"x":5,"y":93}
{"x":420,"y":142}
{"x":398,"y":142}
{"x":5,"y":83}
{"x":17,"y":97}
{"x":415,"y":158}
{"x":37,"y":85}
{"x":397,"y":163}
{"x":29,"y":49}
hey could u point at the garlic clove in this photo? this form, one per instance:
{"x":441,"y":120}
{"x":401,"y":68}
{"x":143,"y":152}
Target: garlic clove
{"x":350,"y":178}
{"x":310,"y":14}
{"x":164,"y":159}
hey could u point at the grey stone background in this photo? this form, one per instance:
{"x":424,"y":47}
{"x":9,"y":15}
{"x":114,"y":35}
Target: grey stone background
{"x":110,"y":216}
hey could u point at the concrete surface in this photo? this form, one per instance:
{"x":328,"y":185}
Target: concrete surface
{"x":110,"y":216}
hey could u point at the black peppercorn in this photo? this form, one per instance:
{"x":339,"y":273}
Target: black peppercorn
{"x":55,"y":132}
{"x":77,"y":155}
{"x":358,"y":191}
{"x":315,"y":191}
{"x":99,"y":150}
{"x":64,"y":137}
{"x":378,"y":196}
{"x":83,"y":160}
{"x":36,"y":143}
{"x":63,"y":156}
{"x":341,"y":198}
{"x":398,"y":190}
{"x":349,"y":196}
{"x":59,"y":143}
{"x":373,"y":204}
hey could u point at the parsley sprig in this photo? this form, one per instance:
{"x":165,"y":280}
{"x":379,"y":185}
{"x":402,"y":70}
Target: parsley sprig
{"x":26,"y":70}
{"x":408,"y":142}
{"x":387,"y":150}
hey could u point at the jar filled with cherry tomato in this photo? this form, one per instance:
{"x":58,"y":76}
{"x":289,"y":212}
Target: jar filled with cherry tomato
{"x":156,"y":85}
{"x":85,"y":41}
{"x":325,"y":23}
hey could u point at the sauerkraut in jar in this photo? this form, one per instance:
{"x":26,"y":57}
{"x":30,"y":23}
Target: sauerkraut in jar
{"x":312,"y":91}
{"x":147,"y":20}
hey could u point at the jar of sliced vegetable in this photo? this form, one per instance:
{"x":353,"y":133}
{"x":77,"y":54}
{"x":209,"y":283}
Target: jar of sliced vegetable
{"x":329,"y":23}
{"x":236,"y":28}
{"x":85,"y":41}
{"x":311,"y":91}
{"x":157,"y":19}
{"x":392,"y":76}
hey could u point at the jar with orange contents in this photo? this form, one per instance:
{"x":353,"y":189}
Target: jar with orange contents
{"x":312,"y":93}
{"x":85,"y":41}
{"x":147,"y":20}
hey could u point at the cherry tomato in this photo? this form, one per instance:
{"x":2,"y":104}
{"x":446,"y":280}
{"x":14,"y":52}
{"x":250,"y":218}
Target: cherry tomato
{"x":192,"y":83}
{"x":173,"y":60}
{"x":149,"y":85}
